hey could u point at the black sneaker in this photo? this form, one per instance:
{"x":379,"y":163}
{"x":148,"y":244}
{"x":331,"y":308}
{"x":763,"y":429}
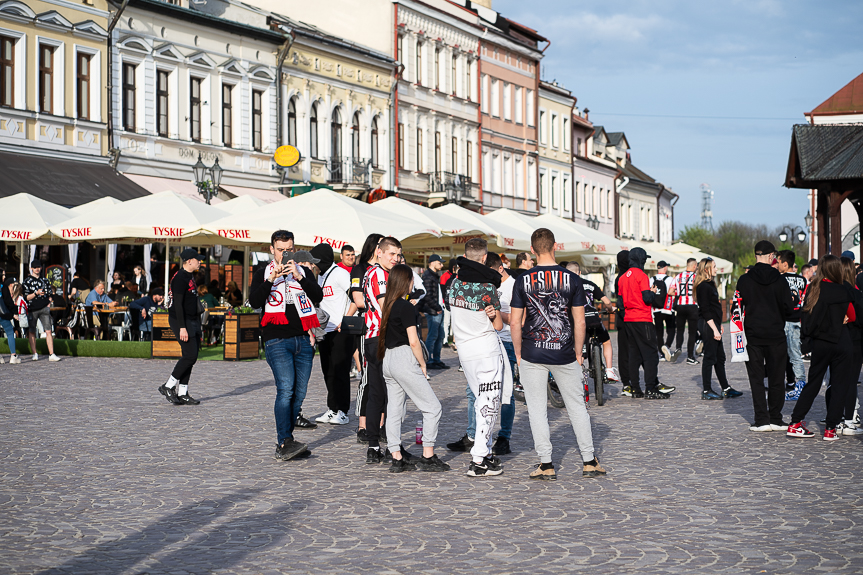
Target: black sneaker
{"x":304,"y":423}
{"x":501,"y":446}
{"x":463,"y":444}
{"x":489,"y":466}
{"x":362,"y":436}
{"x":405,"y":455}
{"x":709,"y":394}
{"x":731,"y":392}
{"x":654,"y":394}
{"x":630,"y":391}
{"x":662,"y":388}
{"x":170,"y":394}
{"x":374,"y":455}
{"x":432,"y":464}
{"x":186,"y":400}
{"x":691,"y":361}
{"x":290,"y":449}
{"x":400,"y":465}
{"x":675,"y":355}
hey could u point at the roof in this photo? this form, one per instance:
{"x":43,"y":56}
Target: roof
{"x":64,"y":182}
{"x":825,"y":153}
{"x":634,"y":173}
{"x":848,"y":100}
{"x":614,"y":138}
{"x":198,"y":17}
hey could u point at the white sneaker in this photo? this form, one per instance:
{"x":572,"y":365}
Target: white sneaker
{"x":53,"y":357}
{"x":611,"y":374}
{"x":666,"y":353}
{"x":326,"y":417}
{"x":2,"y":361}
{"x":339,"y":418}
{"x":850,"y":429}
{"x":775,"y":427}
{"x":14,"y":360}
{"x":35,"y":357}
{"x":767,"y":427}
{"x":354,"y":372}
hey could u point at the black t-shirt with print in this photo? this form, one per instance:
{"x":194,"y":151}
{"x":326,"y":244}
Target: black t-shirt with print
{"x":402,"y":316}
{"x":592,"y":294}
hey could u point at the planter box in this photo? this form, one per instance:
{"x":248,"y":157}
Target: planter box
{"x":242,"y":336}
{"x":164,"y":344}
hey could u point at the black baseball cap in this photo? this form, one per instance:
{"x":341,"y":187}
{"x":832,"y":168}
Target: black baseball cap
{"x":190,"y":254}
{"x":764,"y":248}
{"x":662,"y":264}
{"x":158,"y":291}
{"x":37,"y":264}
{"x":435,"y":258}
{"x":813,"y":262}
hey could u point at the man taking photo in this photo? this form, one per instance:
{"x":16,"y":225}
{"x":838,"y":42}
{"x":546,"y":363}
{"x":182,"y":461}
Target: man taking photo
{"x":431,"y":305}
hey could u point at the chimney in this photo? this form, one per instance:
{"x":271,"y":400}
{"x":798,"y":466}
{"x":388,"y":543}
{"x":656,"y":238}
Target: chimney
{"x":485,"y":3}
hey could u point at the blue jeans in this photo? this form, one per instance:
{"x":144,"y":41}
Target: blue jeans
{"x":145,"y":325}
{"x":291,"y":362}
{"x":9,"y":330}
{"x":507,"y":412}
{"x":792,"y":338}
{"x":435,"y":336}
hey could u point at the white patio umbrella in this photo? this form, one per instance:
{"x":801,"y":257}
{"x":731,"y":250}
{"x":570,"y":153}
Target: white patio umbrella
{"x":26,"y":219}
{"x":506,"y":236}
{"x":243,"y":204}
{"x":569,"y":241}
{"x":95,"y":205}
{"x":723,"y":266}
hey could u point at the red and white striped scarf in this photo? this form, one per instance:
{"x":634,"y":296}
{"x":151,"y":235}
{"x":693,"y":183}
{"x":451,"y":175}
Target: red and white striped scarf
{"x":287,"y":289}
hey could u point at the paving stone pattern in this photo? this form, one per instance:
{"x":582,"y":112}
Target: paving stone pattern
{"x":101,"y":475}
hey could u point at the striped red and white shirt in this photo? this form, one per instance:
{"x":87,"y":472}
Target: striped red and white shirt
{"x":374,"y":287}
{"x":685,"y":285}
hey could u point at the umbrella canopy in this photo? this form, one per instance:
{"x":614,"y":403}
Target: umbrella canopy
{"x":506,"y":236}
{"x":95,"y":205}
{"x":165,"y":216}
{"x":243,"y":204}
{"x":723,"y":266}
{"x":28,"y":219}
{"x":569,"y":241}
{"x":320,"y":216}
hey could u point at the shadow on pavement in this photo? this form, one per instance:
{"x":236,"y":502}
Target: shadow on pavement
{"x":241,"y":390}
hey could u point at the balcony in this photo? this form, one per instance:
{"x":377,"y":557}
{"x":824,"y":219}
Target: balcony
{"x":454,"y":188}
{"x":349,"y":172}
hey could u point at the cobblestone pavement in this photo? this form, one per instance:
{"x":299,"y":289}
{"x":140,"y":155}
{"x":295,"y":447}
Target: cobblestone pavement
{"x":101,"y":475}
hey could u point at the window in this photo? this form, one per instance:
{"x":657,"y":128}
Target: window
{"x":82,"y":86}
{"x":336,"y":134}
{"x":355,"y":136}
{"x":507,"y":175}
{"x":578,"y":199}
{"x":594,"y":201}
{"x":543,"y":129}
{"x":401,"y":145}
{"x":454,"y":76}
{"x":437,"y":69}
{"x":454,"y":157}
{"x":419,"y":77}
{"x":495,"y":98}
{"x":437,"y":153}
{"x":531,"y":179}
{"x":46,"y":79}
{"x":553,"y":192}
{"x":375,"y":159}
{"x":257,"y":120}
{"x":292,"y":122}
{"x":567,"y":193}
{"x":496,"y":173}
{"x":601,"y":204}
{"x":227,"y":115}
{"x":195,"y":109}
{"x":486,"y":171}
{"x":7,"y":71}
{"x":578,"y":148}
{"x":419,"y":150}
{"x":129,"y":97}
{"x":519,"y":104}
{"x":519,"y":177}
{"x":530,"y":107}
{"x":468,"y":90}
{"x":566,"y":134}
{"x":485,"y":94}
{"x":507,"y":102}
{"x":555,"y":131}
{"x":313,"y":131}
{"x":469,"y":172}
{"x":401,"y":49}
{"x":162,"y":103}
{"x":543,"y":193}
{"x":610,"y":202}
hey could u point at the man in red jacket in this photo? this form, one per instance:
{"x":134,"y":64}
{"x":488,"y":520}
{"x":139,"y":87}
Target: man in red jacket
{"x":638,"y":298}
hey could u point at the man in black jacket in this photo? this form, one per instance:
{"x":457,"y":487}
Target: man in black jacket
{"x":766,"y":300}
{"x":622,"y":336}
{"x":431,"y":305}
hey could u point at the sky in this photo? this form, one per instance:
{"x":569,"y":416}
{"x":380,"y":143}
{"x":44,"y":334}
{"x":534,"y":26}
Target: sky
{"x":706,"y":92}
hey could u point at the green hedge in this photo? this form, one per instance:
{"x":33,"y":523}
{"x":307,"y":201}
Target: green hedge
{"x":82,"y":348}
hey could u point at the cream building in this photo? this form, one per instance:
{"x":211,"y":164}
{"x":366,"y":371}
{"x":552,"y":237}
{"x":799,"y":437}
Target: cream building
{"x":555,"y":150}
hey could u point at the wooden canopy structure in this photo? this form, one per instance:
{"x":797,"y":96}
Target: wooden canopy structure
{"x":828,"y":159}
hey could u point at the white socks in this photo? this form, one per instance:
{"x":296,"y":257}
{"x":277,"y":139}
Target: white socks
{"x":182,"y":389}
{"x":172,"y":381}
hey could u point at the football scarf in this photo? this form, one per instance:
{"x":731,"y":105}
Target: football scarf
{"x":287,"y":289}
{"x":738,"y":337}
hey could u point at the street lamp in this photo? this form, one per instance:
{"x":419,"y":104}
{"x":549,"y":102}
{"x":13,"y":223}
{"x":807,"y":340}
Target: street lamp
{"x":593,"y":222}
{"x":787,"y":233}
{"x":207,"y":179}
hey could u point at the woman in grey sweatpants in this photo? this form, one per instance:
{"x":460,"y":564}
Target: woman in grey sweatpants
{"x":405,"y":375}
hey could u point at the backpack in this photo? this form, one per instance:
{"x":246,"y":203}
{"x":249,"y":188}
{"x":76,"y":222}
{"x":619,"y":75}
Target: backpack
{"x":659,"y":300}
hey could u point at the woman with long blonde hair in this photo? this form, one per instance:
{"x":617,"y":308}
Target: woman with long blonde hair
{"x":710,"y":326}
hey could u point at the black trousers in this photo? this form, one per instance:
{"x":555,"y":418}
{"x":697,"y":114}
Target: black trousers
{"x":183,"y":369}
{"x":376,"y":389}
{"x":714,"y":358}
{"x":337,"y":357}
{"x":767,"y":361}
{"x":623,"y":352}
{"x":643,"y":352}
{"x":687,"y":313}
{"x":839,"y":357}
{"x":667,"y":323}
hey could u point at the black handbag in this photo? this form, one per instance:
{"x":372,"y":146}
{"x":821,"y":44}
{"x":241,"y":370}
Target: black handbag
{"x":353,"y":325}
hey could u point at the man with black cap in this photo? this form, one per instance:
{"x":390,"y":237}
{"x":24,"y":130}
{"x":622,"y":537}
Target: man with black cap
{"x":766,"y":301}
{"x":622,"y":337}
{"x":37,"y":292}
{"x":432,"y":306}
{"x":184,"y":317}
{"x":639,"y":297}
{"x":337,"y":348}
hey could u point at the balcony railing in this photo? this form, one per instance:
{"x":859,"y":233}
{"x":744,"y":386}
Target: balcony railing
{"x":348,"y":171}
{"x":453,"y":187}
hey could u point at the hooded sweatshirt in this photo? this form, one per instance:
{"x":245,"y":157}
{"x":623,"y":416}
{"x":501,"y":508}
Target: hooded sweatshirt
{"x":622,"y":266}
{"x":767,"y":301}
{"x":635,"y":289}
{"x":335,"y":282}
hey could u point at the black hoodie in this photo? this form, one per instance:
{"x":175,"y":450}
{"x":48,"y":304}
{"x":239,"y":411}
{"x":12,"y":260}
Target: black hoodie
{"x":622,"y":266}
{"x":767,"y":302}
{"x":637,"y":259}
{"x":826,"y":320}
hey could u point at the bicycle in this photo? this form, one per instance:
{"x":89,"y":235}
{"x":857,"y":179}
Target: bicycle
{"x":596,"y":361}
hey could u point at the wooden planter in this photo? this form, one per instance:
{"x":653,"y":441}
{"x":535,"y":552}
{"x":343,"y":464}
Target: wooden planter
{"x":242,"y":336}
{"x":164,"y":344}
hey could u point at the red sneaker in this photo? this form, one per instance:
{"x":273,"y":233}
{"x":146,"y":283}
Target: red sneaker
{"x":799,"y":430}
{"x":831,"y":434}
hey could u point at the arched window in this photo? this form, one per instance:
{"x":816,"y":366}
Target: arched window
{"x":292,"y":122}
{"x":375,"y":142}
{"x":336,"y":134}
{"x":355,"y":136}
{"x":313,"y":132}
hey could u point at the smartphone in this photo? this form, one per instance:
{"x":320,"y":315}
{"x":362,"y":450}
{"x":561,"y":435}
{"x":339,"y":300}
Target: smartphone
{"x":286,"y":257}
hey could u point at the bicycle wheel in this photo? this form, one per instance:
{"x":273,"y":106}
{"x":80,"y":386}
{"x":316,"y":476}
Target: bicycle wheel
{"x":598,"y":373}
{"x":554,"y":393}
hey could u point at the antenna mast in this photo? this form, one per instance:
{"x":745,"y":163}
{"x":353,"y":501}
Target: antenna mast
{"x":706,"y":207}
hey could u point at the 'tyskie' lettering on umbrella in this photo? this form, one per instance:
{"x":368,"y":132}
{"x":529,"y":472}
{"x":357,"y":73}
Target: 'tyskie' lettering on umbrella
{"x":234,"y":234}
{"x":167,"y":232}
{"x":14,"y":235}
{"x":76,"y":232}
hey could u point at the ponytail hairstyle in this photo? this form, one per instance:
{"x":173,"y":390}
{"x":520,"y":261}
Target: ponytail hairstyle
{"x":369,"y":247}
{"x":849,"y":271}
{"x":703,"y":273}
{"x":829,"y":268}
{"x":400,"y":282}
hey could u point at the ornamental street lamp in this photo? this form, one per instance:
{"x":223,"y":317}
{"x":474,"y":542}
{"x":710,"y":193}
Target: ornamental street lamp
{"x":207,"y":179}
{"x":593,"y":222}
{"x":787,"y":233}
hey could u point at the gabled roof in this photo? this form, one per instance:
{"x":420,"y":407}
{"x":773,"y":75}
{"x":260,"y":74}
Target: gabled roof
{"x":634,"y":173}
{"x":825,"y":153}
{"x":848,"y":100}
{"x":614,"y":138}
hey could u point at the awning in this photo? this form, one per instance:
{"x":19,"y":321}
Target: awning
{"x":63,"y":182}
{"x":184,"y":188}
